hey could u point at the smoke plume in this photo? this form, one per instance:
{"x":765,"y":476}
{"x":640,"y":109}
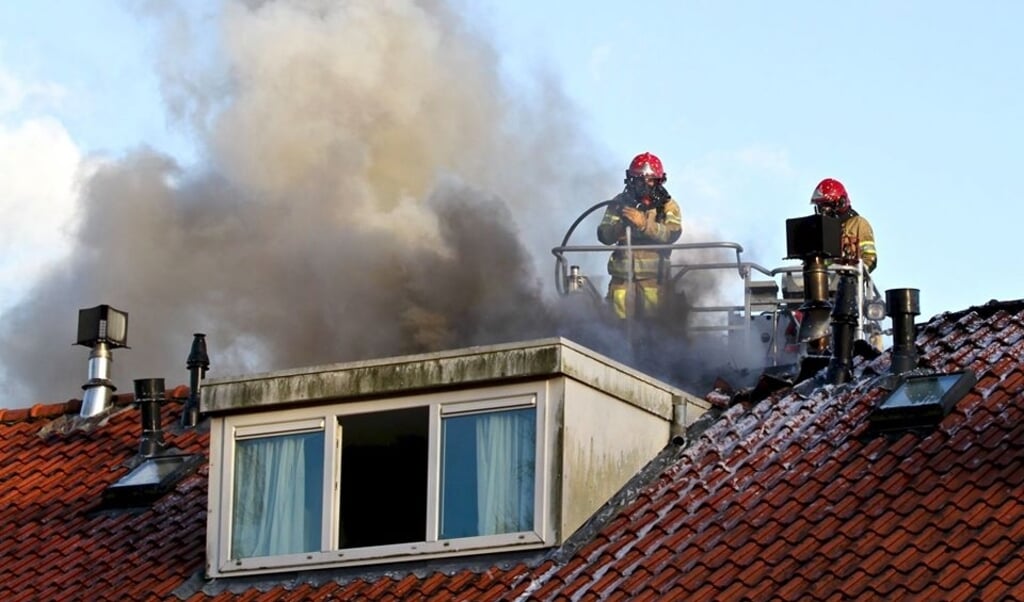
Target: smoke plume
{"x":369,"y":187}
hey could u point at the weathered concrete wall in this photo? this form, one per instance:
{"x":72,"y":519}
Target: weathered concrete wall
{"x":605,"y":443}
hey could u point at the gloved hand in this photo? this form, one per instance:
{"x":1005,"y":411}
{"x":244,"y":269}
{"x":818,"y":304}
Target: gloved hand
{"x":635,"y":217}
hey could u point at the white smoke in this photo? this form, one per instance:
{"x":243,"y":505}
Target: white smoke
{"x":369,"y":187}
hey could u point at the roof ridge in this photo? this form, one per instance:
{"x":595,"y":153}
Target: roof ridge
{"x":39,"y":411}
{"x":985,"y":310}
{"x":42,"y":411}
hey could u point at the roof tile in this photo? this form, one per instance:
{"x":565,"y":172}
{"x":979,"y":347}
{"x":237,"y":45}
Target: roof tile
{"x":787,"y":498}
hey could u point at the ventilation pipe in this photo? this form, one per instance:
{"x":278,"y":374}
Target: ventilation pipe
{"x":845,"y":316}
{"x":198,"y":363}
{"x":814,"y":239}
{"x":816,"y":306}
{"x":102,"y":328}
{"x":902,"y":304}
{"x":99,"y":390}
{"x":149,"y":395}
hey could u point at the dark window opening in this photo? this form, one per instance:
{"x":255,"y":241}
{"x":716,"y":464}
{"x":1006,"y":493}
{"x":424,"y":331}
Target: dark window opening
{"x":383,"y":478}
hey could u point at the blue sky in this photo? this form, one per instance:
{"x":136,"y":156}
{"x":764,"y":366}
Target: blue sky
{"x":915,"y":105}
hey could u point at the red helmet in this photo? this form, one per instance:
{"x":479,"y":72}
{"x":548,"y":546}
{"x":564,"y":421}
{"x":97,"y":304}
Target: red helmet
{"x":830,"y":198}
{"x":644,"y":179}
{"x":645,"y":165}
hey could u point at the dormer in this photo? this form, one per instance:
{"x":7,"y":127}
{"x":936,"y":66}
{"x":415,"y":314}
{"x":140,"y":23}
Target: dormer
{"x":480,"y":450}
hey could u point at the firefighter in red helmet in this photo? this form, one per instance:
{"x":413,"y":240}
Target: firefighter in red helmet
{"x":858,"y":240}
{"x":830,"y":198}
{"x":645,"y":207}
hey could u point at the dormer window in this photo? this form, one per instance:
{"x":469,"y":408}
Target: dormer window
{"x":476,"y":451}
{"x":402,"y":477}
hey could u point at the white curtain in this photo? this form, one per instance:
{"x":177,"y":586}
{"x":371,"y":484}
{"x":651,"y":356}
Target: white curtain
{"x":505,"y":444}
{"x":276,"y":506}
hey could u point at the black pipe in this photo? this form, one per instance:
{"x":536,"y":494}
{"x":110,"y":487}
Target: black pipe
{"x":845,"y":315}
{"x":198,"y":363}
{"x":149,"y":394}
{"x":902,"y":304}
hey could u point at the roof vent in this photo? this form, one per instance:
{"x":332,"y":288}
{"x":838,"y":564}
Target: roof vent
{"x":198,"y":363}
{"x":156,"y":469}
{"x":920,"y":401}
{"x":902,"y":304}
{"x":845,"y":316}
{"x":813,"y":239}
{"x":103,"y":328}
{"x":149,"y":394}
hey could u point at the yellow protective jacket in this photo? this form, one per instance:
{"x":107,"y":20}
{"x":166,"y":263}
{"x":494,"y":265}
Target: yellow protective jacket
{"x":664,"y":225}
{"x":859,"y":241}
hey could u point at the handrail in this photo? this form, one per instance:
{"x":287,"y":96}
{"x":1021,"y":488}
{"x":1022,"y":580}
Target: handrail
{"x":679,"y":267}
{"x":659,"y":247}
{"x":561,"y":264}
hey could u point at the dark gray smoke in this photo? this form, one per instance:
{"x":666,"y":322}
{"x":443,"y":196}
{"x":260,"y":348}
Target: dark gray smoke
{"x":370,"y":188}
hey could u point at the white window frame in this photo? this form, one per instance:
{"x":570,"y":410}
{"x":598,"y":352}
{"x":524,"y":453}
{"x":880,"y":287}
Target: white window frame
{"x":228,"y":429}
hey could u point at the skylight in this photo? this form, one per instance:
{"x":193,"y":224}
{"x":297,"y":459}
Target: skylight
{"x":921,"y":401}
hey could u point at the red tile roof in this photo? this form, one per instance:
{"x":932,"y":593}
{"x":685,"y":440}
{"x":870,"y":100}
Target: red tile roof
{"x":787,"y":499}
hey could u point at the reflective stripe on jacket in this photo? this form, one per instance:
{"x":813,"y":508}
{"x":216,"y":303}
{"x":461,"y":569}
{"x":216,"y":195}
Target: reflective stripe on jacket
{"x":859,"y":242}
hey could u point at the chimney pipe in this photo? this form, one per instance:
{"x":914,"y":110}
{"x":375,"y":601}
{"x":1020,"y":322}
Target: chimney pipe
{"x":816,"y":306}
{"x":813,"y":239}
{"x":100,"y":328}
{"x":149,"y":394}
{"x":98,"y":389}
{"x":845,"y":316}
{"x":902,"y":304}
{"x":198,"y":363}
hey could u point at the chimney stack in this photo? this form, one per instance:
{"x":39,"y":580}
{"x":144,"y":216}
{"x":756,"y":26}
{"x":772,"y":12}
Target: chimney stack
{"x":102,"y":328}
{"x":902,"y":304}
{"x":198,"y":363}
{"x":814,"y":239}
{"x":149,"y":394}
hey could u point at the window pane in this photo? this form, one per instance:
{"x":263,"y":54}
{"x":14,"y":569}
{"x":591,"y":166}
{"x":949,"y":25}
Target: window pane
{"x":487,"y":473}
{"x":278,"y":496}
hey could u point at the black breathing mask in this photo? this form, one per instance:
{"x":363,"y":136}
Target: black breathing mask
{"x":646,"y":196}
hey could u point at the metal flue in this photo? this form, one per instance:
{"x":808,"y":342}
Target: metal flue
{"x":198,"y":363}
{"x":902,"y":304}
{"x":845,"y":317}
{"x":102,"y":328}
{"x":149,"y":395}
